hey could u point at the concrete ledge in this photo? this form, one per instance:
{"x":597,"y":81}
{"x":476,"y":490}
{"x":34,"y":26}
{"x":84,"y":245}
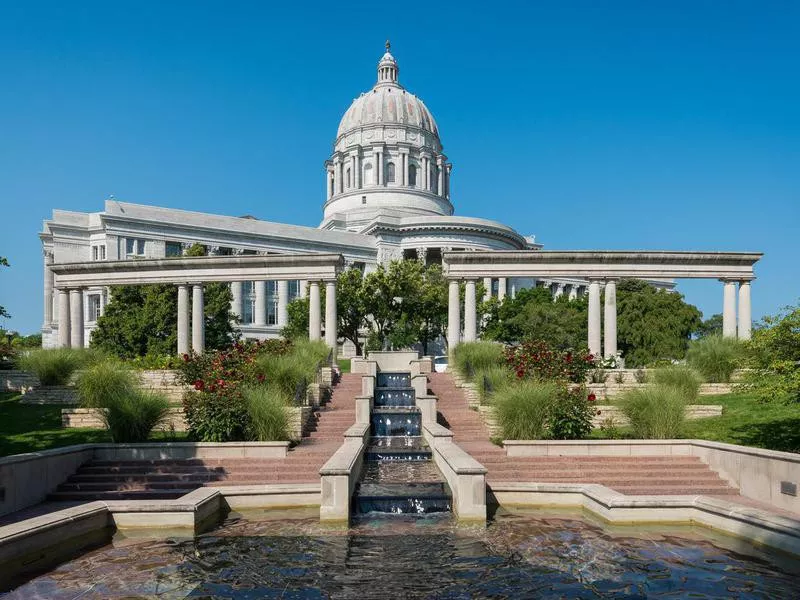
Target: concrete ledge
{"x":422,"y":366}
{"x":358,"y":431}
{"x":393,"y":361}
{"x":759,"y":474}
{"x":363,"y":366}
{"x":363,"y":408}
{"x":191,"y":511}
{"x":283,"y":495}
{"x":427,"y":406}
{"x":420,"y":385}
{"x":339,"y":477}
{"x":182,"y":450}
{"x":754,"y":525}
{"x":368,"y":385}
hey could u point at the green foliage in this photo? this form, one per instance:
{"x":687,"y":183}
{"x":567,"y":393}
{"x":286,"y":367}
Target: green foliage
{"x":709,"y":327}
{"x":104,"y":381}
{"x":297,"y":321}
{"x":471,"y":357}
{"x":155,"y":362}
{"x":534,"y":315}
{"x":215,"y":417}
{"x":774,"y":357}
{"x":490,"y":380}
{"x":522,"y":410}
{"x":131,"y":417}
{"x":3,"y":311}
{"x":685,"y":379}
{"x":652,"y":324}
{"x":571,"y":416}
{"x":715,"y":357}
{"x":289,"y":373}
{"x":268,"y":411}
{"x":55,"y":366}
{"x":656,"y":412}
{"x":351,"y":306}
{"x":537,"y":359}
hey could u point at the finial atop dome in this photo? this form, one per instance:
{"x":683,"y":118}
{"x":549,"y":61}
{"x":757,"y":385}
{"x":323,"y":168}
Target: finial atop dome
{"x":387,"y":67}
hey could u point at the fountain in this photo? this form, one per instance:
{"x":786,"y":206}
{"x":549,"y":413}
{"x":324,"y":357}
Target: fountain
{"x":399,"y":474}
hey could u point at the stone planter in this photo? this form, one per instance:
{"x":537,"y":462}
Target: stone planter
{"x":51,"y":394}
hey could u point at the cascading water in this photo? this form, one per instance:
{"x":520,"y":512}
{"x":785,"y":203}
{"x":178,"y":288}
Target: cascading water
{"x":399,"y":476}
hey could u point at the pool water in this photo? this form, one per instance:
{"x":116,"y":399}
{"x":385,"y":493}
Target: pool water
{"x":519,"y":555}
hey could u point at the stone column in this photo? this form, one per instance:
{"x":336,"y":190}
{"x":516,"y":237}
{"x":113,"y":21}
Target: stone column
{"x":502,"y":284}
{"x":559,"y":290}
{"x":183,"y":319}
{"x":236,"y":300}
{"x":63,"y":319}
{"x":379,"y":167}
{"x":353,"y":171}
{"x":594,"y":317}
{"x":48,"y":289}
{"x":745,"y":316}
{"x":331,"y":319}
{"x":283,"y":303}
{"x":470,"y":316}
{"x":302,"y":288}
{"x":198,"y":319}
{"x":610,"y":319}
{"x":573,"y":291}
{"x":729,"y":308}
{"x":314,"y":316}
{"x":487,"y":285}
{"x":260,"y":309}
{"x":453,"y":315}
{"x":76,"y":318}
{"x":440,"y":181}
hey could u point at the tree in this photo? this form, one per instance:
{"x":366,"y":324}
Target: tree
{"x":652,"y":324}
{"x":711,"y":326}
{"x":3,"y":311}
{"x":297,"y":322}
{"x":430,"y":306}
{"x":351,"y":306}
{"x":143,"y":320}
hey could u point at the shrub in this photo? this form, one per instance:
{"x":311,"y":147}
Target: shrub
{"x":685,"y":379}
{"x":130,"y":417}
{"x":313,"y":352}
{"x":491,"y":380}
{"x":286,"y":373}
{"x":715,"y":357}
{"x":268,"y":410}
{"x":55,"y":366}
{"x":538,"y":360}
{"x":656,"y":412}
{"x":104,"y":381}
{"x":216,"y":417}
{"x":572,"y":413}
{"x":523,"y":409}
{"x":640,"y":375}
{"x":470,"y":357}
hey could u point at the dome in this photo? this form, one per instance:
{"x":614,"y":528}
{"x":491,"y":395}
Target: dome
{"x":387,"y":102}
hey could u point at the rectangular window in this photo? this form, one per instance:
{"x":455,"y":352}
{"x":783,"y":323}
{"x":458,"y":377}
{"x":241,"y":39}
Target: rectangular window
{"x":99,"y":252}
{"x":134,"y":247}
{"x":173,"y":249}
{"x":95,"y":307}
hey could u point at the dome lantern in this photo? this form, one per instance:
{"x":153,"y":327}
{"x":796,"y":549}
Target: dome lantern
{"x":387,"y":67}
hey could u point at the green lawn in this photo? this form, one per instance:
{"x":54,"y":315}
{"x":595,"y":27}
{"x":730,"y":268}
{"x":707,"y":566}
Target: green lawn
{"x":344,"y":364}
{"x":744,"y":421}
{"x":32,"y":427}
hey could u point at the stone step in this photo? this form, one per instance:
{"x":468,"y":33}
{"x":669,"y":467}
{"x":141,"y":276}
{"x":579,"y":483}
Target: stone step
{"x":118,"y":495}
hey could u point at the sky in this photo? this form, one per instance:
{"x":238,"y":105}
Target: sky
{"x":668,"y":125}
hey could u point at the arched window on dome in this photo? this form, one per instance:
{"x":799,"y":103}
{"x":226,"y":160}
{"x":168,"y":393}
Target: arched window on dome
{"x":368,"y":175}
{"x":412,"y":175}
{"x":347,"y":178}
{"x":390,"y":172}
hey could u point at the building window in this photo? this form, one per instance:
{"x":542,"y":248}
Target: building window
{"x":368,"y":174}
{"x":173,"y":249}
{"x":435,"y":180}
{"x":272,"y":303}
{"x":390,"y":172}
{"x":134,"y":247}
{"x":99,"y":252}
{"x":95,"y":307}
{"x":347,"y":178}
{"x":412,"y":175}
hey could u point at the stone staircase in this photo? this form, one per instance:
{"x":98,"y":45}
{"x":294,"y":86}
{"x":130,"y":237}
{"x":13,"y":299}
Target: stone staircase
{"x":632,"y":475}
{"x":167,"y":479}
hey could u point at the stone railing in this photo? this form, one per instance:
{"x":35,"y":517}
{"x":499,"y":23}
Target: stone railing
{"x":339,"y":478}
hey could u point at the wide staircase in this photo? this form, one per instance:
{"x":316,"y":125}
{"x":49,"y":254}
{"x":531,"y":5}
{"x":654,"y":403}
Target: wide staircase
{"x":167,"y":479}
{"x":632,"y":475}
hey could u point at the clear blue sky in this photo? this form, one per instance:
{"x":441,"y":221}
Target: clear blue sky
{"x":624,"y":125}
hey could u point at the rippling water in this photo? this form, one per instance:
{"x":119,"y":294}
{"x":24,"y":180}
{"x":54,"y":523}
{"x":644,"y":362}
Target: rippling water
{"x":519,"y":555}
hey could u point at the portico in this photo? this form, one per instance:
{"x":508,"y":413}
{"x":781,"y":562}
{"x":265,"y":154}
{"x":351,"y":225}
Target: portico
{"x":190,"y":274}
{"x":602,"y":269}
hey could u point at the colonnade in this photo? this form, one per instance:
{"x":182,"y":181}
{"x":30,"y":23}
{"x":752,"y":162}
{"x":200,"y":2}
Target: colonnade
{"x":602,"y":324}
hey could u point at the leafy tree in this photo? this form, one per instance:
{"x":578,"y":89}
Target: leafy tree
{"x":143,"y":320}
{"x":711,"y":326}
{"x":3,"y":311}
{"x":430,"y":306}
{"x":351,"y":306}
{"x":297,"y":322}
{"x":652,"y":324}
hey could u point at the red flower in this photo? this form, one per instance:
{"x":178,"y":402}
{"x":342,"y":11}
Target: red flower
{"x":186,"y":357}
{"x":199,"y":385}
{"x":260,"y":378}
{"x":591,"y":397}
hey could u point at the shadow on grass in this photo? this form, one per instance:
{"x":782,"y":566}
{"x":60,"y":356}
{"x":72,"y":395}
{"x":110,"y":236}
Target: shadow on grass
{"x":783,"y":434}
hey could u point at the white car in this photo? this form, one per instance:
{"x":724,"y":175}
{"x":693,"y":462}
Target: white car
{"x":440,"y":364}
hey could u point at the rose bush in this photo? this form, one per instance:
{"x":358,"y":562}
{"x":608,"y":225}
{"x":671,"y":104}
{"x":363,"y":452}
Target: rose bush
{"x":538,"y":360}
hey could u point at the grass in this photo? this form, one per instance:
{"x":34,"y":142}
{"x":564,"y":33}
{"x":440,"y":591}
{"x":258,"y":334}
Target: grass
{"x":498,"y":377}
{"x":657,"y":412}
{"x":471,"y":357}
{"x":522,"y":410}
{"x":686,"y":379}
{"x":715,"y":357}
{"x":33,"y":427}
{"x":344,"y":365}
{"x":268,"y":408}
{"x":55,"y":366}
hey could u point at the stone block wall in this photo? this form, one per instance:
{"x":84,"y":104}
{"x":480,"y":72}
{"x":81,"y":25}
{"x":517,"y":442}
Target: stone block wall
{"x":88,"y":417}
{"x":17,"y":381}
{"x":51,"y":394}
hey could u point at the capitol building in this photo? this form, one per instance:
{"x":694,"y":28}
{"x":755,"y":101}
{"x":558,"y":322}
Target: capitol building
{"x":387,"y":185}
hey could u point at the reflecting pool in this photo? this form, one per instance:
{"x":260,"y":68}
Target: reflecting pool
{"x":519,"y":555}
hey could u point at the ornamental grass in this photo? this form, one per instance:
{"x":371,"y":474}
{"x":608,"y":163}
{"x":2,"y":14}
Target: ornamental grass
{"x":491,"y":380}
{"x":289,"y":373}
{"x":715,"y":357}
{"x":471,"y":357}
{"x":522,"y":410}
{"x":685,"y":379}
{"x":268,"y":408}
{"x":657,"y":412}
{"x":55,"y":366}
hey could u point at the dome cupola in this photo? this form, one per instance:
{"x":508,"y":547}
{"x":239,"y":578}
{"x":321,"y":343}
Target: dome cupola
{"x":387,"y":156}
